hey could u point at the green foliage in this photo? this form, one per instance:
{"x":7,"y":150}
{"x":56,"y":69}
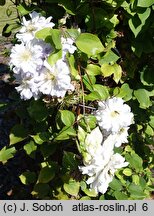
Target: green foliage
{"x":124,"y":92}
{"x":67,"y":117}
{"x":69,"y":161}
{"x":114,"y":56}
{"x":6,"y":154}
{"x":72,"y":187}
{"x":30,"y":147}
{"x":28,"y":177}
{"x":37,"y":110}
{"x":89,"y":44}
{"x":137,"y":22}
{"x":66,"y":133}
{"x":41,"y":190}
{"x":18,"y":133}
{"x":136,"y":191}
{"x":46,"y":174}
{"x":135,"y":161}
{"x":143,"y":97}
{"x":115,"y":69}
{"x":142,"y":3}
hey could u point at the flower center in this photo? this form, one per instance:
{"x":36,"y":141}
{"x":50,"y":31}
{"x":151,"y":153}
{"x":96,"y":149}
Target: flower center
{"x":50,"y":76}
{"x":25,"y":56}
{"x":114,"y":114}
{"x":31,"y":28}
{"x":122,"y":130}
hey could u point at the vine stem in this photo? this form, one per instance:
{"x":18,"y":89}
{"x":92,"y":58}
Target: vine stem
{"x":83,"y":99}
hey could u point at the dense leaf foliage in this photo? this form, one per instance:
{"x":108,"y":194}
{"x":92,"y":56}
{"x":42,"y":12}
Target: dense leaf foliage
{"x":112,"y":58}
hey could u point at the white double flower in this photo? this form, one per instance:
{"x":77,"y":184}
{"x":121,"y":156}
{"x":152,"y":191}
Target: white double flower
{"x":100,"y":161}
{"x":29,"y":61}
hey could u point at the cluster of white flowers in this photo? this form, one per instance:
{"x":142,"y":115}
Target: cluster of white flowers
{"x":114,"y":118}
{"x":29,"y":61}
{"x":100,"y":161}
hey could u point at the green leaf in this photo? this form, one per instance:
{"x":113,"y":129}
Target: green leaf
{"x":72,"y":187}
{"x":85,"y":198}
{"x":102,"y":197}
{"x":11,"y":27}
{"x":90,"y":193}
{"x":114,"y":20}
{"x":145,"y":3}
{"x":56,"y":37}
{"x":69,"y":161}
{"x":41,"y":190}
{"x":115,"y":69}
{"x":93,"y":96}
{"x":28,"y":177}
{"x":116,"y":184}
{"x":109,"y":58}
{"x":37,"y":139}
{"x":81,"y":135}
{"x":107,"y":70}
{"x":66,"y":133}
{"x":23,"y":10}
{"x":135,"y":161}
{"x":149,"y":130}
{"x":137,"y":22}
{"x":127,"y":172}
{"x":38,"y":110}
{"x":102,"y":90}
{"x":53,"y":57}
{"x":142,"y":95}
{"x":135,"y":179}
{"x":61,"y":194}
{"x":117,"y":73}
{"x":91,"y":121}
{"x":42,"y":34}
{"x":142,"y":182}
{"x":47,"y":149}
{"x":68,"y":6}
{"x":30,"y":147}
{"x":125,"y":92}
{"x":120,"y":195}
{"x":6,"y":154}
{"x":46,"y":174}
{"x":67,"y":117}
{"x":136,"y":191}
{"x":40,"y":138}
{"x":93,"y":70}
{"x":89,"y":44}
{"x":147,"y":76}
{"x":72,"y":33}
{"x":151,"y":122}
{"x":18,"y":133}
{"x":74,"y":71}
{"x":89,"y":81}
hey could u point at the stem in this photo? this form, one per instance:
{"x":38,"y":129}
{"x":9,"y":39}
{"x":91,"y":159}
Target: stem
{"x":83,"y":100}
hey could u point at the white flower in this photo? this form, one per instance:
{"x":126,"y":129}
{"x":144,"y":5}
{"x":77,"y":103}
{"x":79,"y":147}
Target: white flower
{"x":27,"y":58}
{"x":117,"y":138}
{"x":121,"y":136}
{"x":30,"y":27}
{"x":93,"y":143}
{"x":102,"y":169}
{"x":28,"y":89}
{"x":105,"y":176}
{"x":42,"y":47}
{"x":55,"y":80}
{"x":113,"y":114}
{"x":67,"y":45}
